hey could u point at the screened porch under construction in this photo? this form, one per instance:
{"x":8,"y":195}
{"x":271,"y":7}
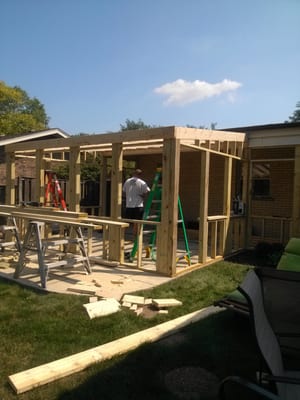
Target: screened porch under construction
{"x":206,"y":168}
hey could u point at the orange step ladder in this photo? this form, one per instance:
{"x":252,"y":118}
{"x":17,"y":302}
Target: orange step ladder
{"x":53,"y":193}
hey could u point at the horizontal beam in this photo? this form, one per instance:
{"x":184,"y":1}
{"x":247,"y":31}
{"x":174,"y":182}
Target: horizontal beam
{"x":128,"y":138}
{"x":208,"y":134}
{"x":91,"y":140}
{"x":200,"y":148}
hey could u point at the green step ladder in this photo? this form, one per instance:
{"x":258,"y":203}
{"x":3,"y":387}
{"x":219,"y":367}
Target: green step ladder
{"x":152,"y":212}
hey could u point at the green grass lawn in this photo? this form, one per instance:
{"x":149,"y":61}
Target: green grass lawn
{"x":37,"y":328}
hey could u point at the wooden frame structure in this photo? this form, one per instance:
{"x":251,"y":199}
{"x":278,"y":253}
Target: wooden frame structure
{"x":170,"y":143}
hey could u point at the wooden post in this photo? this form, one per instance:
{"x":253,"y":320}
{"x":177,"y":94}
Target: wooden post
{"x":167,"y":230}
{"x":203,"y":210}
{"x":140,"y":230}
{"x":296,"y":198}
{"x":10,"y":195}
{"x":249,"y":203}
{"x":246,"y":197}
{"x":226,"y":246}
{"x":213,"y":239}
{"x":74,"y":179}
{"x":103,"y":187}
{"x":40,"y":176}
{"x":116,"y":243}
{"x":116,"y":180}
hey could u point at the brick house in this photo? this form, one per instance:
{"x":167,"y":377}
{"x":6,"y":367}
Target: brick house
{"x":273,"y":200}
{"x":25,"y":170}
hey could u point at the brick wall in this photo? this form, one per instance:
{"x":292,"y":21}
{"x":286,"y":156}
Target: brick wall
{"x":281,"y":182}
{"x":24,"y":167}
{"x":189,"y":185}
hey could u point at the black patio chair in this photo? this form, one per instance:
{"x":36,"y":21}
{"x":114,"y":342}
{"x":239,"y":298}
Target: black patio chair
{"x":286,"y":383}
{"x":281,"y":294}
{"x":288,"y":266}
{"x":236,"y":387}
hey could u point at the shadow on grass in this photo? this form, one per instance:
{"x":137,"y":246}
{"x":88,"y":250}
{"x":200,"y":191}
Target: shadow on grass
{"x":219,"y":345}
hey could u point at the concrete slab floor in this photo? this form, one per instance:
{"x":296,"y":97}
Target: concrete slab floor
{"x":104,"y":281}
{"x":108,"y":282}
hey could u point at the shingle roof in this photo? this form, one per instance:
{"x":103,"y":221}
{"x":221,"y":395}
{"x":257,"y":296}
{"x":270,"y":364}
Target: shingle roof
{"x":38,"y":135}
{"x":264,"y":127}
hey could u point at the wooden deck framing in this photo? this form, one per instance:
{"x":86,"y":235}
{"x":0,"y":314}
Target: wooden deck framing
{"x":170,"y":142}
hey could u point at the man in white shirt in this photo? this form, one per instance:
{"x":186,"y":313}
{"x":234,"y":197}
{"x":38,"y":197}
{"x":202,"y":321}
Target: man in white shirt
{"x":135,"y":190}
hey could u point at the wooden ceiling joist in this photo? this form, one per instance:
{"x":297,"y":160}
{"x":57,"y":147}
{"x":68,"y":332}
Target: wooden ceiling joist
{"x":202,"y":148}
{"x":144,"y":141}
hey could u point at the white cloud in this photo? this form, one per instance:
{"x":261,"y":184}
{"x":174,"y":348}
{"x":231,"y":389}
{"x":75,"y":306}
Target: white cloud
{"x":181,"y":92}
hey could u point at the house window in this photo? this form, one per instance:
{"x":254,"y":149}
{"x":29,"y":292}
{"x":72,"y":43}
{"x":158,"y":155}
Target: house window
{"x":261,"y":180}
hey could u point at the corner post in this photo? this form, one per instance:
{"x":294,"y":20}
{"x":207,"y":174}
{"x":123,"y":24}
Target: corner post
{"x":40,"y":176}
{"x":74,"y":179}
{"x":168,"y":228}
{"x":10,"y":194}
{"x":116,"y":241}
{"x":203,"y":210}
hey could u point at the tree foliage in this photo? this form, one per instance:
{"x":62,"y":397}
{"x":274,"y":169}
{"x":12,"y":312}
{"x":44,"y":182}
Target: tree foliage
{"x":213,"y":126}
{"x":295,"y":117}
{"x":19,"y":113}
{"x":131,"y":125}
{"x":90,"y":169}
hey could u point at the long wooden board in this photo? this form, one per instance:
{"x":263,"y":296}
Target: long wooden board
{"x":34,"y":377}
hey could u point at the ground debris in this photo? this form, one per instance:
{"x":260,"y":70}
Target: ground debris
{"x":102,"y":307}
{"x":148,"y":307}
{"x":160,"y":303}
{"x":133,"y":299}
{"x":117,"y":281}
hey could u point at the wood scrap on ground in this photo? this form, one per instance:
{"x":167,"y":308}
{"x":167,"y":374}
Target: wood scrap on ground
{"x":102,"y":307}
{"x":85,"y":288}
{"x":101,"y":261}
{"x":160,"y":303}
{"x":117,"y":281}
{"x":128,"y":298}
{"x":148,"y":307}
{"x":82,"y":289}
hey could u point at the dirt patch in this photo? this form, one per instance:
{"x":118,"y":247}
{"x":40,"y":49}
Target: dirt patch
{"x":149,"y":311}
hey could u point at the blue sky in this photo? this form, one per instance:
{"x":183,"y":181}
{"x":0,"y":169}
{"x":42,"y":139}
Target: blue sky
{"x":95,"y":63}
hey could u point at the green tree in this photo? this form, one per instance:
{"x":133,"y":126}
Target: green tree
{"x":131,"y":125}
{"x":295,"y":117}
{"x":19,"y":113}
{"x":213,"y":126}
{"x":90,"y":168}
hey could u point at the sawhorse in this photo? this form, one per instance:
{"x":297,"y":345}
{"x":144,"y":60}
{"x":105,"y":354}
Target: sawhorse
{"x":33,"y":242}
